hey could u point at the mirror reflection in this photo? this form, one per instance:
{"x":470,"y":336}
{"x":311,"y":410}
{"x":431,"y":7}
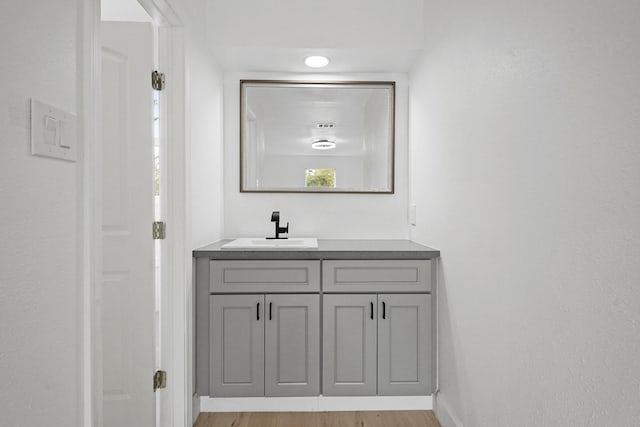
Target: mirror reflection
{"x":316,"y":137}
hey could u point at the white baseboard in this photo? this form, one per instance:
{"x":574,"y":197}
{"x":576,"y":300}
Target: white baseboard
{"x":315,"y":403}
{"x":195,"y":409}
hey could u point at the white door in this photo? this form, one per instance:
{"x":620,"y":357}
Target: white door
{"x":127,"y":210}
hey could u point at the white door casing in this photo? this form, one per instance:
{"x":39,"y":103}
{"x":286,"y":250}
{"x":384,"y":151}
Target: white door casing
{"x":127,"y":214}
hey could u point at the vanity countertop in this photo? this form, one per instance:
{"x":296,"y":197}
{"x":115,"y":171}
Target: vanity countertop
{"x":327,"y":249}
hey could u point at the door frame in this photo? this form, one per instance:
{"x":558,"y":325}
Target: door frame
{"x":176,"y":404}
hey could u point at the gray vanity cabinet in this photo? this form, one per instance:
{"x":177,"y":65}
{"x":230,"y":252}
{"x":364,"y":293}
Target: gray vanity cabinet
{"x":352,"y":318}
{"x":377,"y":344}
{"x":404,"y":344}
{"x":349,"y":333}
{"x":380,"y":275}
{"x":259,"y":276}
{"x":292,"y":345}
{"x":237,"y":345}
{"x":264,"y":345}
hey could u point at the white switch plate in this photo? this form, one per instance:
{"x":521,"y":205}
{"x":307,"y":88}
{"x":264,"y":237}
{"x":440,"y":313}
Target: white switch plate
{"x":53,"y":132}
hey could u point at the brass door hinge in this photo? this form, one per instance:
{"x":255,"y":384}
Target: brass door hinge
{"x":157,"y":80}
{"x":159,"y":230}
{"x":159,"y":380}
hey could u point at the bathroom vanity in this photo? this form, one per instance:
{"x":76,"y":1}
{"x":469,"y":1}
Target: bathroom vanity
{"x":350,"y":318}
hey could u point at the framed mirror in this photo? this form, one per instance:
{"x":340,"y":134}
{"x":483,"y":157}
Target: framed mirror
{"x":317,"y":137}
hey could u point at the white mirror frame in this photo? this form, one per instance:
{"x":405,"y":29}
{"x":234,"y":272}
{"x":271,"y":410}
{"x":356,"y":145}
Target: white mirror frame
{"x":249,"y":164}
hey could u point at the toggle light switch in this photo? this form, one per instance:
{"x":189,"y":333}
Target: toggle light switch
{"x":51,"y":133}
{"x":65,"y":140}
{"x":50,"y":123}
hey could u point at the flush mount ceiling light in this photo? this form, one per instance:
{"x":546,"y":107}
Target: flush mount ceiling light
{"x":316,"y":61}
{"x":323,"y":144}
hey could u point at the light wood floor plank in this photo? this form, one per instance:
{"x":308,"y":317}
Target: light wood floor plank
{"x":318,"y":419}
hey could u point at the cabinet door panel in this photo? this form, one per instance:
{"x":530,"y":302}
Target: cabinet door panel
{"x":349,"y":333}
{"x":237,"y":345}
{"x":234,"y":276}
{"x":292,"y":345}
{"x":404,"y":337}
{"x":377,"y":275}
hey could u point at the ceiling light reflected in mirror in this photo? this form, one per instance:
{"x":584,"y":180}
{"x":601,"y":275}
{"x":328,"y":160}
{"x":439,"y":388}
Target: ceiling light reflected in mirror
{"x":316,"y":61}
{"x":323,"y":144}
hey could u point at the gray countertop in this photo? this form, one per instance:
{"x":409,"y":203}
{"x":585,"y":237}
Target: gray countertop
{"x":327,"y":249}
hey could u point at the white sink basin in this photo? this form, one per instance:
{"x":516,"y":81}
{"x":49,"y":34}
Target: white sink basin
{"x":264,"y":243}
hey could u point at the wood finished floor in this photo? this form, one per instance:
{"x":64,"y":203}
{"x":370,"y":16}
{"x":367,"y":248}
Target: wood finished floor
{"x":319,"y":419}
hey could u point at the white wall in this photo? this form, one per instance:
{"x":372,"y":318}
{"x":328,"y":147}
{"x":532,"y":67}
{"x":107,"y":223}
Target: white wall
{"x":358,"y":35}
{"x":205,"y":132}
{"x":204,"y":159}
{"x":39,"y":364}
{"x":319,"y":215}
{"x":525,"y":169}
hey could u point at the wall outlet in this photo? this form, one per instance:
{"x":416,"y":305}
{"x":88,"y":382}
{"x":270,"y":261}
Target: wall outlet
{"x":412,"y":215}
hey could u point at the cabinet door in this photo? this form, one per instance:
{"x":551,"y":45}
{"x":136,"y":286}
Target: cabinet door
{"x":349,"y":337}
{"x":404,"y":339}
{"x":292,"y":345}
{"x":237,"y":345}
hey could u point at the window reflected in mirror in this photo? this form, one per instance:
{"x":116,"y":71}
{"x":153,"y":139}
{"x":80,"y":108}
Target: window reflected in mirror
{"x":320,"y":178}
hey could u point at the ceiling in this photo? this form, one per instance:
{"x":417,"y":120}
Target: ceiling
{"x":358,"y":36}
{"x":291,"y":60}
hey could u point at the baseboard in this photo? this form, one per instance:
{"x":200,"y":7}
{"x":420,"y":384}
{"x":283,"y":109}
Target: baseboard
{"x":195,"y":409}
{"x":375,"y":403}
{"x":445,"y":415}
{"x":315,"y":403}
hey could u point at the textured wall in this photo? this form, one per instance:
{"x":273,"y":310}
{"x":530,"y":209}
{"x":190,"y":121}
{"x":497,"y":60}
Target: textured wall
{"x":205,"y":132}
{"x":38,"y":307}
{"x":203,"y":162}
{"x":525,"y":153}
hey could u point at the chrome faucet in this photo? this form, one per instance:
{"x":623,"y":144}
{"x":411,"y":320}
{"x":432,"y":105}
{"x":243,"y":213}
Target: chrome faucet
{"x":275,"y":217}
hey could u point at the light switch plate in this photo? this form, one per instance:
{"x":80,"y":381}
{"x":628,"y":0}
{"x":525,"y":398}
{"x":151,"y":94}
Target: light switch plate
{"x":53,"y":132}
